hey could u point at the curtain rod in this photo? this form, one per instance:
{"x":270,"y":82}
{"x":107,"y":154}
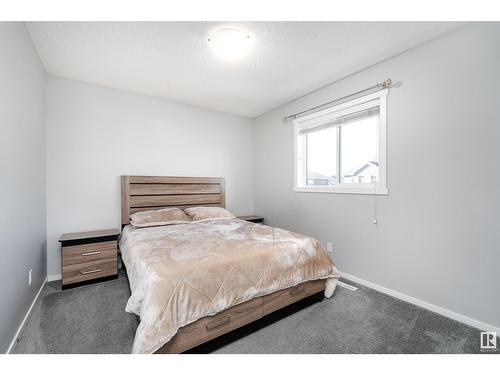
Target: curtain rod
{"x":380,"y":86}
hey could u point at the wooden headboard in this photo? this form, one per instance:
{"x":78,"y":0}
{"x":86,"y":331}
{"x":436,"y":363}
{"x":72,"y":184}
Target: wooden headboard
{"x":143,"y":193}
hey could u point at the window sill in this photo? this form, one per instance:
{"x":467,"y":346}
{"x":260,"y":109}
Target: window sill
{"x":342,"y":190}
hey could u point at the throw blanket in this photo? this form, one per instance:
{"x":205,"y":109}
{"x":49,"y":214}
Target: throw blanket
{"x":181,"y":273}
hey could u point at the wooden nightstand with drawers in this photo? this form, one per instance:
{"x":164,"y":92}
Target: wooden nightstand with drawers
{"x":88,"y":257}
{"x":252,"y":218}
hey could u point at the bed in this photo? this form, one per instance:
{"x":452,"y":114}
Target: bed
{"x":193,"y":282}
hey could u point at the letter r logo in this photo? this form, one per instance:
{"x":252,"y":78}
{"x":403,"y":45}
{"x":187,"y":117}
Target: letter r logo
{"x":488,"y":340}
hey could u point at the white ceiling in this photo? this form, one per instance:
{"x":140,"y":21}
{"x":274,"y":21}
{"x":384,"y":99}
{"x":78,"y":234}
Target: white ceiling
{"x":172,"y":60}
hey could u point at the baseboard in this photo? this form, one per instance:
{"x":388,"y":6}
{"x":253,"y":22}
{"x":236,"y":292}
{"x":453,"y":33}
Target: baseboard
{"x":25,"y":318}
{"x":426,"y":305}
{"x":54,"y":277}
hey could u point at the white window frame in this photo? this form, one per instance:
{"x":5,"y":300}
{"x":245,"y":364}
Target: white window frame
{"x":330,"y":114}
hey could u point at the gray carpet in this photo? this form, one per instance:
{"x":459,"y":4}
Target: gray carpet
{"x":91,"y":319}
{"x":87,"y":319}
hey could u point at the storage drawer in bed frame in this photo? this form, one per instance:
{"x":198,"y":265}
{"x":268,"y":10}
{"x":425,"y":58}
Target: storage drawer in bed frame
{"x":208,"y":328}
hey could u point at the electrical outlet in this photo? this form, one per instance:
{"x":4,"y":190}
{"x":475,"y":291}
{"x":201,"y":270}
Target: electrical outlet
{"x":329,"y":247}
{"x":29,"y":276}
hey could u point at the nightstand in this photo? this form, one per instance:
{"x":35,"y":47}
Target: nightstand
{"x":88,"y":256}
{"x":252,"y":218}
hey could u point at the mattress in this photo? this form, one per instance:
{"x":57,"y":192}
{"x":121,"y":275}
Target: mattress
{"x":181,"y":273}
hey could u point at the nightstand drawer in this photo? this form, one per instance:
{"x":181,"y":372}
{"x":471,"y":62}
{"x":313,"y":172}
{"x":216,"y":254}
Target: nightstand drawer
{"x":79,"y":254}
{"x":87,"y":271}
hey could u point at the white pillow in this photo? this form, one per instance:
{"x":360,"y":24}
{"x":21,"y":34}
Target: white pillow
{"x":208,"y":213}
{"x":165,"y":216}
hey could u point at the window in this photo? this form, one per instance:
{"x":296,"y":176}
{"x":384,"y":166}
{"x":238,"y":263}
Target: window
{"x":341,"y":149}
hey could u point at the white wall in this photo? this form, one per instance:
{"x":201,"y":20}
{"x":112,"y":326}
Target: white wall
{"x":95,"y":134}
{"x":22,"y":167}
{"x":438,"y":232}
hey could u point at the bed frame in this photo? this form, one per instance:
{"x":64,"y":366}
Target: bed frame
{"x":142,"y":193}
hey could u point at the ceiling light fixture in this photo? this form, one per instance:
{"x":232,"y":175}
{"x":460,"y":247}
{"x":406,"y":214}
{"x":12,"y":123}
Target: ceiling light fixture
{"x":230,"y":44}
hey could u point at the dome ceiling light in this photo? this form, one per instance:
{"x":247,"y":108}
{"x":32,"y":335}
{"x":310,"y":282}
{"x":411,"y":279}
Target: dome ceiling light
{"x":230,"y":44}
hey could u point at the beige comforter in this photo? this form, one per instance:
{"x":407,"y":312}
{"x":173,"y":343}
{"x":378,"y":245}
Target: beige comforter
{"x":181,"y":273}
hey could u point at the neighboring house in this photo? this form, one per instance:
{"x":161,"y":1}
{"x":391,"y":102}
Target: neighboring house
{"x":317,"y":179}
{"x":366,"y":173}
